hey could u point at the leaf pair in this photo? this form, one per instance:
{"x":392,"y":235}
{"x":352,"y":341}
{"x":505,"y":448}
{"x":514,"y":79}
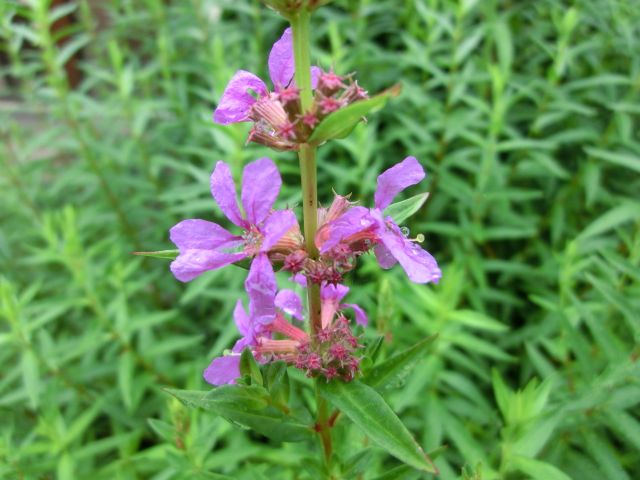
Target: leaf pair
{"x":250,"y":407}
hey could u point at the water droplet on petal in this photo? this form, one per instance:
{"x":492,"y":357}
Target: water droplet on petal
{"x":405,"y":231}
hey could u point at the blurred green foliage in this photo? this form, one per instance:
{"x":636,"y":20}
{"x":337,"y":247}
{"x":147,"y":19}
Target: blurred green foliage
{"x":526,"y":115}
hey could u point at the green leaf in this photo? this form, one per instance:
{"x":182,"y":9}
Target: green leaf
{"x":277,"y":382}
{"x":367,"y":409}
{"x":166,"y":254}
{"x":31,"y":377}
{"x":502,"y":393}
{"x":536,"y":469}
{"x":612,"y":219}
{"x":341,"y":122}
{"x":172,"y":254}
{"x":627,"y":160}
{"x":164,"y":430}
{"x":395,"y":369}
{"x":398,"y":473}
{"x":400,"y":211}
{"x":249,"y":366}
{"x":247,"y":406}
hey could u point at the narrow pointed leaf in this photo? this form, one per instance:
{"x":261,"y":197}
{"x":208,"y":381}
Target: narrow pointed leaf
{"x":341,"y":122}
{"x":172,"y":254}
{"x":395,"y":369}
{"x":400,"y":211}
{"x":166,"y":254}
{"x":537,"y":469}
{"x":249,"y":366}
{"x":368,"y":410}
{"x":248,"y":406}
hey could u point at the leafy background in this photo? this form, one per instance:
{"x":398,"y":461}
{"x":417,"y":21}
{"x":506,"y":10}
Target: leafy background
{"x":525,"y":115}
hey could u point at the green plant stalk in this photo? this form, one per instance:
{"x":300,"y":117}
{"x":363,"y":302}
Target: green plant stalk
{"x":307,"y":156}
{"x":308,"y":176}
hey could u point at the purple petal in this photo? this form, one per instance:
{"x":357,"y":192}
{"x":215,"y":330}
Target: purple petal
{"x":193,"y":262}
{"x":333,"y":292}
{"x":261,"y":287}
{"x":315,"y":76}
{"x":243,"y":343}
{"x":243,"y":322}
{"x":223,"y":370}
{"x":261,"y":184}
{"x":281,"y":60}
{"x":418,"y":264}
{"x":397,"y":178}
{"x":276,"y":226}
{"x":300,"y":279}
{"x":353,"y":221}
{"x":224,"y":192}
{"x":202,"y":235}
{"x":360,"y":314}
{"x":384,"y":257}
{"x":289,"y":302}
{"x":237,"y":99}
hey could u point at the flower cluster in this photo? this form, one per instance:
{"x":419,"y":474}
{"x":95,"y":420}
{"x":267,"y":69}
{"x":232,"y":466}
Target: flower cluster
{"x":278,"y":120}
{"x":271,"y":239}
{"x":359,"y":229}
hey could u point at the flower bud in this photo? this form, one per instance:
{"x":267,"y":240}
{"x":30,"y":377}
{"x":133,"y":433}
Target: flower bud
{"x":289,"y":7}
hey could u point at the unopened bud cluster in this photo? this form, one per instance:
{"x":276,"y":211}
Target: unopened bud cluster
{"x":279,"y":121}
{"x":290,"y":7}
{"x":331,"y":353}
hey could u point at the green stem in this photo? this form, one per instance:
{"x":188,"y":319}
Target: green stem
{"x":307,"y":156}
{"x":302,"y":55}
{"x":308,"y":177}
{"x":323,"y":427}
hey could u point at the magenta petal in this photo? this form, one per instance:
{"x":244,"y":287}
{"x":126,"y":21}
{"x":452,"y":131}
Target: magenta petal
{"x":276,"y":226}
{"x":261,"y":184}
{"x":223,"y":370}
{"x":384,"y":256}
{"x":261,"y":287}
{"x":315,"y":76}
{"x":193,"y":262}
{"x":353,"y":221}
{"x":360,"y":314}
{"x":243,"y":322}
{"x":243,"y":343}
{"x":397,"y":178}
{"x":290,"y":303}
{"x":281,"y":61}
{"x":300,"y":279}
{"x":200,"y":234}
{"x":237,"y":99}
{"x":418,"y":264}
{"x":333,"y":292}
{"x":224,"y":192}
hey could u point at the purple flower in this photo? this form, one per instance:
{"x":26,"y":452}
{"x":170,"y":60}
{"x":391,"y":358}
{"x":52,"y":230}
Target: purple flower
{"x":330,"y":296}
{"x":256,"y":327}
{"x":237,"y":99}
{"x":365,"y":227}
{"x":206,"y":245}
